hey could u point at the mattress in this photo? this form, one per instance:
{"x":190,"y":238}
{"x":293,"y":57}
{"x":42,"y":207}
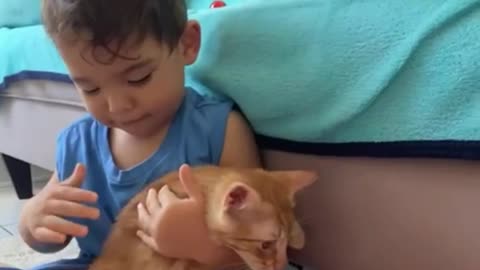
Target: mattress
{"x":43,"y":91}
{"x":32,"y":112}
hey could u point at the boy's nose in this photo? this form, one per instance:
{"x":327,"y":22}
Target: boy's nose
{"x":119,"y":103}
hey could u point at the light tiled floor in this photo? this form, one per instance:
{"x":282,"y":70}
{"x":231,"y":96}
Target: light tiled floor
{"x":12,"y":249}
{"x":11,"y":229}
{"x":10,"y":207}
{"x":4,"y":232}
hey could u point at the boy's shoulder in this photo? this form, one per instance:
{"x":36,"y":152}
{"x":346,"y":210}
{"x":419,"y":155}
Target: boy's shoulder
{"x":205,"y":101}
{"x":77,"y":142}
{"x":80,"y":129}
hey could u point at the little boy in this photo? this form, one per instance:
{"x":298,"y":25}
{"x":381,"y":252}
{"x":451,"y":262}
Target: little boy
{"x":127,"y":60}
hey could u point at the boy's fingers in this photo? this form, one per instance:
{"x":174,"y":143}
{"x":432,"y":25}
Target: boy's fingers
{"x":166,"y":196}
{"x":189,"y":182}
{"x":77,"y":177}
{"x":152,"y":203}
{"x":45,"y":235}
{"x":144,"y":218}
{"x":74,"y":194}
{"x":72,"y":209}
{"x":64,"y":226}
{"x":149,"y":241}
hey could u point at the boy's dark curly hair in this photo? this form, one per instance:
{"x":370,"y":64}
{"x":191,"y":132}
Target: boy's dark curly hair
{"x":117,"y":21}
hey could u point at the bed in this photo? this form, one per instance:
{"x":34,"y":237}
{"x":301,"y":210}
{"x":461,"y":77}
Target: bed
{"x":36,"y":100}
{"x":32,"y":112}
{"x":396,"y":149}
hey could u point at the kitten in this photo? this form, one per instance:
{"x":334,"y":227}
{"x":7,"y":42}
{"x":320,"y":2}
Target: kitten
{"x":247,"y":210}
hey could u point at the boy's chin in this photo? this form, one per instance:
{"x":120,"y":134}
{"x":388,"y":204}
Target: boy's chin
{"x":145,"y":128}
{"x":141,"y":132}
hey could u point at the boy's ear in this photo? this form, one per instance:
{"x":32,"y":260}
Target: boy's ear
{"x":190,"y":42}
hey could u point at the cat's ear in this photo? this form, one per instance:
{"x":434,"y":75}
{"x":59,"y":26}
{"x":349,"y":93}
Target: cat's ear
{"x":298,"y":180}
{"x":239,"y":196}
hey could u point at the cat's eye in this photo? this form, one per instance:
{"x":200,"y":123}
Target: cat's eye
{"x":266,"y":245}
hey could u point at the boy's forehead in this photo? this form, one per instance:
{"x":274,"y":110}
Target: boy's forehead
{"x":87,"y":63}
{"x":128,"y":51}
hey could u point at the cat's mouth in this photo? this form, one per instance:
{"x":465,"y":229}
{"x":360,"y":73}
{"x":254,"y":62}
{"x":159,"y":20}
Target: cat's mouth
{"x":240,"y":266}
{"x":277,"y":263}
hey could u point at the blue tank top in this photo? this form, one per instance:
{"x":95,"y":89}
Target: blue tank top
{"x":195,"y":137}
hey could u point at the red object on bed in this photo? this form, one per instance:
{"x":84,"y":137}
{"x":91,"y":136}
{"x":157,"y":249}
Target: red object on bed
{"x":217,"y":4}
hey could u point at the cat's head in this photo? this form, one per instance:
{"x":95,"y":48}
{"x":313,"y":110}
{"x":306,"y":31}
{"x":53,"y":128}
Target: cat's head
{"x":252,"y":212}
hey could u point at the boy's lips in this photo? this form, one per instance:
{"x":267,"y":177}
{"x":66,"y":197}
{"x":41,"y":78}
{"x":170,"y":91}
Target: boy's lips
{"x":133,"y":121}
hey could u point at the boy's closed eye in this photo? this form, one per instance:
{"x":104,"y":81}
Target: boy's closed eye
{"x":134,"y":82}
{"x":140,"y":80}
{"x":137,"y":74}
{"x":85,"y":85}
{"x":140,"y":73}
{"x":89,"y":91}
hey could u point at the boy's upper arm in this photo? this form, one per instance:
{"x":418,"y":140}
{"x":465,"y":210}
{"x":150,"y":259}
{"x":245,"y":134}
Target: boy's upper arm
{"x":68,"y":150}
{"x":61,"y":157}
{"x":239,"y":149}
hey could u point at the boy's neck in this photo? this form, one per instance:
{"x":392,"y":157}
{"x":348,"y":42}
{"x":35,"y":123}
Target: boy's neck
{"x":129,"y":150}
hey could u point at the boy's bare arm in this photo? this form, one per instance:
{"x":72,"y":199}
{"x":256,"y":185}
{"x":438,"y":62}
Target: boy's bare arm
{"x":239,"y":148}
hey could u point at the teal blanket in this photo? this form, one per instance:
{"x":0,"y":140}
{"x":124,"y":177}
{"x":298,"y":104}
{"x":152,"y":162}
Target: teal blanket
{"x":325,"y":71}
{"x":18,"y":13}
{"x":348,"y":71}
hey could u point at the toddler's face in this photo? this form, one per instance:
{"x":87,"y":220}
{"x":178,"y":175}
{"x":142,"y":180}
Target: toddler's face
{"x":139,"y":95}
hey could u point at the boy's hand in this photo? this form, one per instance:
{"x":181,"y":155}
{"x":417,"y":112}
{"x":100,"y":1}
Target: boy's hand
{"x":45,"y":213}
{"x":176,"y":227}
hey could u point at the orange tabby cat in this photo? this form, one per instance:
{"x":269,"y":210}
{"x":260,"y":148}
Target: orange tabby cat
{"x":247,"y":210}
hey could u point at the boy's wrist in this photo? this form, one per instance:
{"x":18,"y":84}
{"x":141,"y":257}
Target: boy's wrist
{"x":40,"y":246}
{"x":48,"y":247}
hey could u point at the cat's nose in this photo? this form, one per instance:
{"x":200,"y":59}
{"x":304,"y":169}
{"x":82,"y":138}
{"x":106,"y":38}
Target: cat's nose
{"x":270,"y":265}
{"x":273,"y":266}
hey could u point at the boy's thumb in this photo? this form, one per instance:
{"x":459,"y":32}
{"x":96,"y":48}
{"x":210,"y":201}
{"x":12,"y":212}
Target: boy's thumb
{"x":77,"y":176}
{"x":189,"y":182}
